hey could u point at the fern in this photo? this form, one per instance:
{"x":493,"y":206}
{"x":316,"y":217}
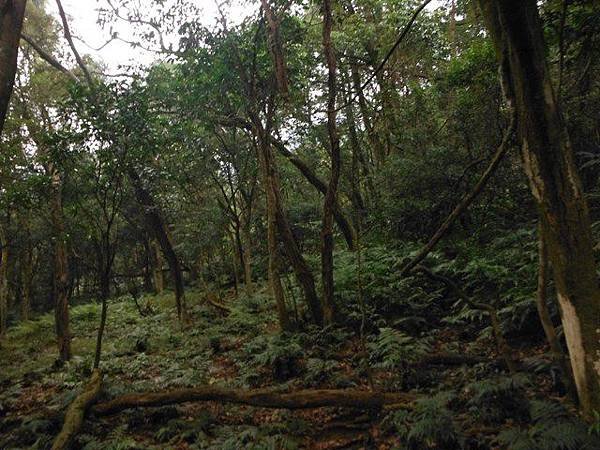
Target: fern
{"x":393,"y":349}
{"x":496,"y":400}
{"x":553,"y":429}
{"x":429,"y":425}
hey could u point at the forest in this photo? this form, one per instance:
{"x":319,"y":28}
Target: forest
{"x":300,"y":224}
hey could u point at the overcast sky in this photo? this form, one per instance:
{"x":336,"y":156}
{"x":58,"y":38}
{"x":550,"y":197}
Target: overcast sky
{"x":83,"y":16}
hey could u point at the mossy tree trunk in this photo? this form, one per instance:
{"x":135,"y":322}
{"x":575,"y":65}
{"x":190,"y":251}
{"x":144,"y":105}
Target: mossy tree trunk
{"x":548,"y":161}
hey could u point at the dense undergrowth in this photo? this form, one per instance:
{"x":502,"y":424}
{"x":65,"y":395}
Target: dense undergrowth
{"x":466,"y":406}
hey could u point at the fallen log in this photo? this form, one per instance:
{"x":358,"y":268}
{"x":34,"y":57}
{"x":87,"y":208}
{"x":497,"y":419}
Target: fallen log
{"x":211,"y":299}
{"x":265,"y":398}
{"x":76,"y":412}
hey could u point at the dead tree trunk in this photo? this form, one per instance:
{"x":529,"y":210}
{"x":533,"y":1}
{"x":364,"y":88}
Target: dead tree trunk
{"x":265,"y":398}
{"x":548,"y":161}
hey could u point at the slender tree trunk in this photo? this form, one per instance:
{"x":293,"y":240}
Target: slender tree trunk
{"x":3,"y":282}
{"x":247,"y":238}
{"x":548,"y":160}
{"x":26,"y":279}
{"x":200,"y":271}
{"x":273,"y":247}
{"x":61,"y":269}
{"x":159,"y":229}
{"x":11,"y":22}
{"x":157,"y":269}
{"x":376,"y":144}
{"x":334,"y":148}
{"x":104,"y":295}
{"x":148,"y":268}
{"x":234,"y":260}
{"x":301,"y":269}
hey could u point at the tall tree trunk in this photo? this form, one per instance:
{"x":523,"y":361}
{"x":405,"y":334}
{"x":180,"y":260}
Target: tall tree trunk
{"x":159,"y":229}
{"x":61,"y":268}
{"x":548,"y":160}
{"x":334,"y":149}
{"x":11,"y":22}
{"x":3,"y":282}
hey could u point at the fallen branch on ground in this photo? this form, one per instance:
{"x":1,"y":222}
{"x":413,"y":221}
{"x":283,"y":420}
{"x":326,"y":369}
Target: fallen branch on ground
{"x":266,"y":398}
{"x":76,"y":412}
{"x":211,"y":299}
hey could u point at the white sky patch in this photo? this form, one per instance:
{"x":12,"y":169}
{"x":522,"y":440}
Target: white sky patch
{"x":83,"y":20}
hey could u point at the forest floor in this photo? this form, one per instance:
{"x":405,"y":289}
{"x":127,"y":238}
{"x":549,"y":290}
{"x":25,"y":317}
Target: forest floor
{"x":462,"y":406}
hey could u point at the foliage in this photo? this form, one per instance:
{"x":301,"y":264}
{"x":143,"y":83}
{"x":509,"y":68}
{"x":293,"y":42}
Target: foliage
{"x":552,"y":428}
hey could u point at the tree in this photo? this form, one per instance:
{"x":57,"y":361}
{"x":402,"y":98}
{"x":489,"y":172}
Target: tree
{"x":549,"y":163}
{"x":11,"y":22}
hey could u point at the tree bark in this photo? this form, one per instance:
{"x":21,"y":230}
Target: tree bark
{"x":273,"y":248}
{"x":548,"y":161}
{"x":3,"y":282}
{"x":265,"y":398}
{"x":159,"y":229}
{"x":76,"y":412}
{"x":11,"y":23}
{"x":334,"y":149}
{"x":542,"y":307}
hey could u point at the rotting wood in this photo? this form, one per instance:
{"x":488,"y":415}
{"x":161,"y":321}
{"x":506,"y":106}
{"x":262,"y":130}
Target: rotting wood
{"x":265,"y":398}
